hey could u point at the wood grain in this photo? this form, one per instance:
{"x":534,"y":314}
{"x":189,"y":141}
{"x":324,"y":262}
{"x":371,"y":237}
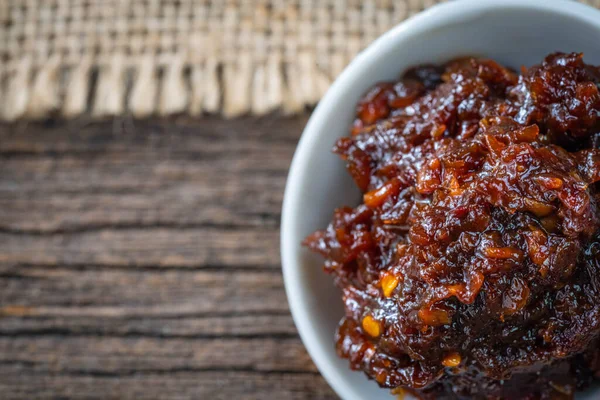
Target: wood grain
{"x":217,"y":385}
{"x":140,"y":260}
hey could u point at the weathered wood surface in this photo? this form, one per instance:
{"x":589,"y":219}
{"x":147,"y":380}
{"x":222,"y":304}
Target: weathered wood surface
{"x":140,"y":260}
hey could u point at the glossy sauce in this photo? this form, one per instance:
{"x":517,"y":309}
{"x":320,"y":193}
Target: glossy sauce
{"x":471,"y":269}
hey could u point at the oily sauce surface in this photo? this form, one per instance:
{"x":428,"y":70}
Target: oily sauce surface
{"x":472,"y":267}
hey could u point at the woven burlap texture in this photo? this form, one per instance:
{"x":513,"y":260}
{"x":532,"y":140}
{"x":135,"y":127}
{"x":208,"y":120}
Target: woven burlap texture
{"x":148,"y":57}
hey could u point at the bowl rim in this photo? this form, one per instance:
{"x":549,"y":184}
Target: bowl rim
{"x":426,"y":20}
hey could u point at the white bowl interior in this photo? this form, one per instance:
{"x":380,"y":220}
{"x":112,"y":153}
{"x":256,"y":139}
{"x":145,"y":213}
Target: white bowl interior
{"x":513,"y":32}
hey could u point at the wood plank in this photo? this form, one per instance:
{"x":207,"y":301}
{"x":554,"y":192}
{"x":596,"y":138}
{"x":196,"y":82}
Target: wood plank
{"x":65,"y":194}
{"x":20,"y":383}
{"x":251,"y":324}
{"x":125,"y":356}
{"x":110,"y":293}
{"x":125,"y":135}
{"x":162,"y":247}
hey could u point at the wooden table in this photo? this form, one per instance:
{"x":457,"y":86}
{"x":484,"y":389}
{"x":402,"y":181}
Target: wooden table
{"x":140,"y":260}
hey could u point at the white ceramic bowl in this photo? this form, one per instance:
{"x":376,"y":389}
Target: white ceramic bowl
{"x":513,"y":32}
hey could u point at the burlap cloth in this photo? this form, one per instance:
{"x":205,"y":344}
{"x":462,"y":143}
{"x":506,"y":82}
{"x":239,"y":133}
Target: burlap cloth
{"x":145,"y":57}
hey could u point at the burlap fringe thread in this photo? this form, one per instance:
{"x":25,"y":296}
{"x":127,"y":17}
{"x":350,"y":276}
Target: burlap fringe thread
{"x":282,"y":54}
{"x":144,"y":87}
